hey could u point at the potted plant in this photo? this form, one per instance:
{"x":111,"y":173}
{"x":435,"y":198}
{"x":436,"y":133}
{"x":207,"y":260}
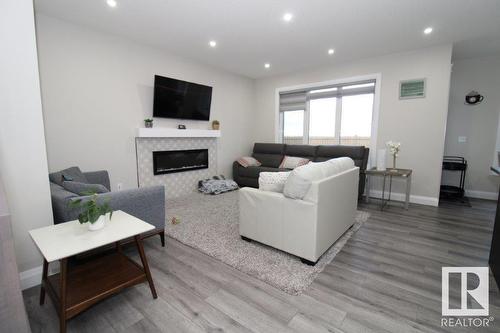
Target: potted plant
{"x":215,"y":125}
{"x":92,"y":213}
{"x":148,"y":122}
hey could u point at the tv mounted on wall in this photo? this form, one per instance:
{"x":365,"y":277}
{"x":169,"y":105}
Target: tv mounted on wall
{"x":180,"y":99}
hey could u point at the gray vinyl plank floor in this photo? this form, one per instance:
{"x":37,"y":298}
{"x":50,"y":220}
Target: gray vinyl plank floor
{"x":387,"y":278}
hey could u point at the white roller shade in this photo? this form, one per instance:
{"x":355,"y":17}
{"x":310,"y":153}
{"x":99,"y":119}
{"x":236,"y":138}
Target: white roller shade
{"x":293,"y":101}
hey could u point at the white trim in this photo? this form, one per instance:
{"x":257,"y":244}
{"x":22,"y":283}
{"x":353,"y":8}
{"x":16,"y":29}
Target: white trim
{"x":277,"y":122}
{"x":163,"y":132}
{"x":376,"y":104}
{"x":31,"y":277}
{"x":481,"y":195}
{"x":417,"y":199}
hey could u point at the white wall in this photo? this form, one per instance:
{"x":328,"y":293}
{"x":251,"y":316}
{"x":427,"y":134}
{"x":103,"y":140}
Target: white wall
{"x":23,"y":160}
{"x":419,"y":124}
{"x":97,"y":88}
{"x":479,"y":123}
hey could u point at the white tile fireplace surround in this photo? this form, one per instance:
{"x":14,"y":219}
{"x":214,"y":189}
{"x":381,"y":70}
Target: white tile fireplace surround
{"x":179,"y":183}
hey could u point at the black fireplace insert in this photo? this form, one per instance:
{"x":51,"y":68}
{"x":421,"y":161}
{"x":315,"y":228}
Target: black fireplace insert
{"x":171,"y":161}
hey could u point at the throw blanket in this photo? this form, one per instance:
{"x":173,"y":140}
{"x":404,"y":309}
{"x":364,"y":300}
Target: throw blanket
{"x":217,"y":185}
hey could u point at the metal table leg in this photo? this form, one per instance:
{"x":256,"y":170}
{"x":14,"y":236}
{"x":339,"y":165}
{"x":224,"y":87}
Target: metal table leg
{"x":367,"y":189}
{"x":383,"y":194}
{"x":408,"y":190}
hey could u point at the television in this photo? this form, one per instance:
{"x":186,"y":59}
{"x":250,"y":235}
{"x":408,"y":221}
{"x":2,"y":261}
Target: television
{"x":180,"y":99}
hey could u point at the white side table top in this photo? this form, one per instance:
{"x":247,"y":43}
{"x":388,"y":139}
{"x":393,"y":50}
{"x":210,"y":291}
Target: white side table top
{"x":71,"y":238}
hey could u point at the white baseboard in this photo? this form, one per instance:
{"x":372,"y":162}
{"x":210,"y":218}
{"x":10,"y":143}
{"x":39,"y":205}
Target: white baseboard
{"x":31,"y":277}
{"x":481,"y":195}
{"x":418,"y":199}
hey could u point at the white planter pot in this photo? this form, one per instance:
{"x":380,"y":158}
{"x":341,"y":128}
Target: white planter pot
{"x":99,"y":224}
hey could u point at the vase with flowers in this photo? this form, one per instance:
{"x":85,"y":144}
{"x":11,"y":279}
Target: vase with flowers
{"x":394,"y":148}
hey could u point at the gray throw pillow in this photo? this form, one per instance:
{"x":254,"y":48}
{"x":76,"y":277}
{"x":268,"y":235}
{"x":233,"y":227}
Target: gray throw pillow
{"x":69,"y":174}
{"x":84,"y":188}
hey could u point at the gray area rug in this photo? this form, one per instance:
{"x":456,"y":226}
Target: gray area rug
{"x":210,"y":224}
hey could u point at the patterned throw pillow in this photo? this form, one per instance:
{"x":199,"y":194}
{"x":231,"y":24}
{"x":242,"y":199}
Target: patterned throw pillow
{"x":273,"y":181}
{"x":291,"y":162}
{"x":247,"y":161}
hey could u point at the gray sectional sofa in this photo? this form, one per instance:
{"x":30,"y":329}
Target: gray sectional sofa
{"x":271,"y":155}
{"x":147,"y":204}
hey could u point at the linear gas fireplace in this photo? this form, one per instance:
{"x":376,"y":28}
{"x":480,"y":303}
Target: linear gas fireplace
{"x":171,"y":161}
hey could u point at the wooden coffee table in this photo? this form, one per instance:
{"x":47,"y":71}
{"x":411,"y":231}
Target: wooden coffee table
{"x":75,"y":290}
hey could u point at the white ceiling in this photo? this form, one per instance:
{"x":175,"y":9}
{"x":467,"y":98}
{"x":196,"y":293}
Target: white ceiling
{"x":250,"y":33}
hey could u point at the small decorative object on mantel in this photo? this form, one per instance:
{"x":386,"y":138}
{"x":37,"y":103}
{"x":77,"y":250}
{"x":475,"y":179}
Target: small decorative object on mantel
{"x":148,"y":122}
{"x":412,"y":89}
{"x":181,"y":126}
{"x":215,"y":125}
{"x":394,"y":148}
{"x":92,"y":213}
{"x":473,"y":98}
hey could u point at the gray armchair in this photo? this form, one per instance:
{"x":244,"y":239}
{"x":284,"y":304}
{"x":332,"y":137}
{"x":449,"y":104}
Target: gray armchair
{"x":147,"y":204}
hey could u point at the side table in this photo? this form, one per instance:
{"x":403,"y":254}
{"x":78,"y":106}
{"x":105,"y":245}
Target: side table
{"x":389,"y":173}
{"x":75,"y":290}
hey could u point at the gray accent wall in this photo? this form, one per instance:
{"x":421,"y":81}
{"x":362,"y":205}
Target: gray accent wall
{"x":479,"y":124}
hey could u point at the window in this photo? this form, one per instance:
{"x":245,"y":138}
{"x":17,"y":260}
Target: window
{"x":322,"y":114}
{"x":293,"y":126}
{"x":328,"y":115}
{"x":356,"y":124}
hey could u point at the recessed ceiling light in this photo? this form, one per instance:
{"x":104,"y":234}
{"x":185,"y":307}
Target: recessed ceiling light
{"x":287,"y":17}
{"x":111,"y":3}
{"x":427,"y":30}
{"x":267,"y":65}
{"x":331,"y":51}
{"x":212,"y":43}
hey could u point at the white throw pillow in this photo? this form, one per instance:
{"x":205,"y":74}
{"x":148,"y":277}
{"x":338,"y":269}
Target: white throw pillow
{"x":247,"y":161}
{"x":292,"y":162}
{"x":301,"y":178}
{"x":330,"y":168}
{"x":337,"y":165}
{"x":273,"y":181}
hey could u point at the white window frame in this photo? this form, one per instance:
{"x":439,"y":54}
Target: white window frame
{"x":376,"y":106}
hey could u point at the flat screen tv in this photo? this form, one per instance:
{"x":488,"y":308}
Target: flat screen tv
{"x":180,"y":99}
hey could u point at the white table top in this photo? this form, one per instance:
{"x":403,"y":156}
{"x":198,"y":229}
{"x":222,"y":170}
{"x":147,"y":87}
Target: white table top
{"x":71,"y":238}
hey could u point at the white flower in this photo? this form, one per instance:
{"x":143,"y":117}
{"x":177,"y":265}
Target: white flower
{"x":394,"y":147}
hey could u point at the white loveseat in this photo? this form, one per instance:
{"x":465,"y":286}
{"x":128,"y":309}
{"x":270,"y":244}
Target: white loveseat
{"x":303,"y":227}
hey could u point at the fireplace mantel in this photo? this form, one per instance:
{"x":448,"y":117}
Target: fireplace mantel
{"x":164,"y":132}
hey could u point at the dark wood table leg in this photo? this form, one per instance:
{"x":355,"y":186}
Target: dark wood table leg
{"x":162,"y":238}
{"x":118,"y":247}
{"x":62,"y":294}
{"x":44,"y":281}
{"x":138,"y":242}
